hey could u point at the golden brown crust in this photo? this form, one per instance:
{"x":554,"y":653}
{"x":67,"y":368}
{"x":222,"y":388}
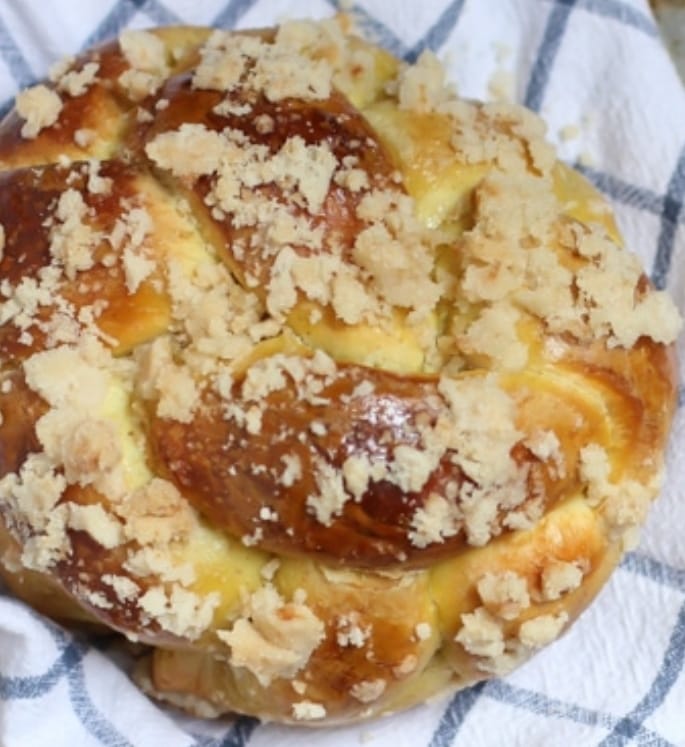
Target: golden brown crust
{"x":333,"y":122}
{"x":234,"y":476}
{"x":27,"y":204}
{"x":332,"y":388}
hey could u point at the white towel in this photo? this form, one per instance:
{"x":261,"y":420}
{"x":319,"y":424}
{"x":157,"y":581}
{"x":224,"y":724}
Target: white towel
{"x":599,"y":74}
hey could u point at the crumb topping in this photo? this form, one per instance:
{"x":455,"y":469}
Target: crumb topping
{"x":515,"y":269}
{"x":143,"y":50}
{"x":146,"y":56}
{"x":623,"y":504}
{"x":96,"y":522}
{"x":559,"y":578}
{"x":277,"y":69}
{"x":505,"y":594}
{"x":545,"y":445}
{"x":157,"y":514}
{"x":435,"y":521}
{"x":368,"y":691}
{"x":351,"y":632}
{"x":422,"y":87}
{"x":77,"y":82}
{"x":288,"y":251}
{"x":275,"y":638}
{"x":423,"y":631}
{"x":180,"y":612}
{"x":542,"y":630}
{"x":40,"y":106}
{"x":306,"y":710}
{"x":481,"y":634}
{"x":331,"y":498}
{"x":33,"y":495}
{"x":72,"y":239}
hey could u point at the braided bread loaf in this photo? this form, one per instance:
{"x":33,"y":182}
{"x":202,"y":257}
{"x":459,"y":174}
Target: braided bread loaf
{"x":330,"y":387}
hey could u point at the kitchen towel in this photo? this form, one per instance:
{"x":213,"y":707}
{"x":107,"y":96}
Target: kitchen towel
{"x":599,"y":74}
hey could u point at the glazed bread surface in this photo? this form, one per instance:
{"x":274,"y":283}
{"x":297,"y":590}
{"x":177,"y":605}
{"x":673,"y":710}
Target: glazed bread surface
{"x":333,"y":389}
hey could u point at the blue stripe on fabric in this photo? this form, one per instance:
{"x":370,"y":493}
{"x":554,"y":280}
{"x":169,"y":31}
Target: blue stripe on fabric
{"x":240,"y":732}
{"x":238,"y":735}
{"x":14,"y":59}
{"x":202,"y":740}
{"x":439,"y":32}
{"x":535,"y":702}
{"x":110,"y":26}
{"x":232,"y":12}
{"x":543,"y":705}
{"x":623,"y":192}
{"x":623,"y":13}
{"x":6,"y":106}
{"x":547,"y":52}
{"x":34,"y":686}
{"x":122,"y":12}
{"x":160,"y":14}
{"x":653,"y":569}
{"x":91,"y":718}
{"x":373,"y":28}
{"x":70,"y":665}
{"x":454,"y":715}
{"x":627,"y":728}
{"x":670,"y":215}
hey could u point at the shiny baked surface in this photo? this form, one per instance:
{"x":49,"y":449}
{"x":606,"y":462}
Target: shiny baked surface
{"x":333,"y":388}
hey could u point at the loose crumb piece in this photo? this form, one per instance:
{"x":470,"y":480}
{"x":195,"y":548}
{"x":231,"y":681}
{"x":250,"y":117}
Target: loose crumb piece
{"x":368,"y":690}
{"x":146,"y":55}
{"x":76,"y":82}
{"x":143,"y":50}
{"x":305,"y":710}
{"x":406,"y":666}
{"x":539,"y":631}
{"x":180,"y":612}
{"x":422,"y":86}
{"x":559,"y":578}
{"x":96,"y":522}
{"x":481,"y":634}
{"x":434,"y":522}
{"x":40,"y":106}
{"x":275,"y":638}
{"x":350,"y":631}
{"x":423,"y":631}
{"x":83,"y":137}
{"x":299,"y":687}
{"x":505,"y":593}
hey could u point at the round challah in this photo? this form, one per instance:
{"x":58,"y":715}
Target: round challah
{"x":331,"y":388}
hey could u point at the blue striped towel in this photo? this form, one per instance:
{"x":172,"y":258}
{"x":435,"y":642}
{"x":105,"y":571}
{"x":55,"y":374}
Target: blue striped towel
{"x":599,"y":74}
